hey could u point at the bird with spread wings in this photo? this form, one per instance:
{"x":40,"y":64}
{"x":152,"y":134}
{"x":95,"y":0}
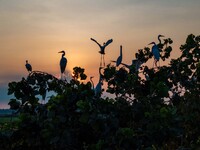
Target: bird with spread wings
{"x":102,"y":50}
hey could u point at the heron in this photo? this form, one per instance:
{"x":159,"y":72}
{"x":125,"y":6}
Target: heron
{"x":156,"y":53}
{"x":119,"y":59}
{"x":63,"y":63}
{"x":160,"y":46}
{"x":135,"y":66}
{"x":159,"y":36}
{"x":98,"y":88}
{"x":102,"y":50}
{"x":28,"y":67}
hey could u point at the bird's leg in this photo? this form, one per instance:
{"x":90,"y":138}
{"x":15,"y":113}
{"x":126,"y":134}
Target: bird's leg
{"x":64,"y":76}
{"x":103,"y":61}
{"x":153,"y":63}
{"x":61,"y":76}
{"x":159,"y":63}
{"x":156,"y":63}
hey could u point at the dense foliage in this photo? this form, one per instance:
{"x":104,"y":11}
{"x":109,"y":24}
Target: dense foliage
{"x":153,"y":108}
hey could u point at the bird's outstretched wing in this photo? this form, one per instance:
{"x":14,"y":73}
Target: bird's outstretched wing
{"x":95,"y":41}
{"x":108,"y":42}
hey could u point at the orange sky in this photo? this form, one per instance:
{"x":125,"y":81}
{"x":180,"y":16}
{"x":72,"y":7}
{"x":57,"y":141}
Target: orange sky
{"x":37,"y":30}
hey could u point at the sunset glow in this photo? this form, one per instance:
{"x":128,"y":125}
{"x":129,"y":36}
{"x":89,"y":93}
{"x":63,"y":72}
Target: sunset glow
{"x":37,"y":30}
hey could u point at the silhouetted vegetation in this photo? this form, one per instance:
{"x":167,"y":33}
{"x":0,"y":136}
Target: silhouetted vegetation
{"x":154,"y":108}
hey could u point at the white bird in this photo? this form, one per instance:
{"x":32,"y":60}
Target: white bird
{"x":63,"y":62}
{"x":119,"y":59}
{"x":28,"y":66}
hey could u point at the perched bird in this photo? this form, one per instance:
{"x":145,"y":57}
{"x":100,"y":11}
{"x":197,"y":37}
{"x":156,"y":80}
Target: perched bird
{"x":119,"y":59}
{"x":155,"y":52}
{"x":92,"y":82}
{"x":98,"y":88}
{"x":28,"y":66}
{"x":102,"y":50}
{"x":156,"y":49}
{"x":135,"y":66}
{"x":63,"y":62}
{"x":159,"y":36}
{"x":160,"y":46}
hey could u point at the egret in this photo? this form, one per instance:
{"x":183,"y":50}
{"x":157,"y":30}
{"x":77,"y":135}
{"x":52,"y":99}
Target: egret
{"x":98,"y":88}
{"x":102,"y":49}
{"x":63,"y":63}
{"x":28,"y":67}
{"x":119,"y":59}
{"x":155,"y":52}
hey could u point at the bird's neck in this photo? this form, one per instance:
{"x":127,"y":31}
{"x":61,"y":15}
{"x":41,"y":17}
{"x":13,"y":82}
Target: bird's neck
{"x":63,"y":54}
{"x":159,"y":40}
{"x":100,"y":75}
{"x":92,"y":83}
{"x":121,"y":50}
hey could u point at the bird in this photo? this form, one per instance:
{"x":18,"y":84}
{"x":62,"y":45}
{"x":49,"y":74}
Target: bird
{"x":92,"y":82}
{"x":135,"y":66}
{"x":155,"y":52}
{"x":63,"y":62}
{"x":102,"y":50}
{"x":119,"y":59}
{"x":28,"y":67}
{"x":159,"y":36}
{"x":98,"y":87}
{"x":160,"y":46}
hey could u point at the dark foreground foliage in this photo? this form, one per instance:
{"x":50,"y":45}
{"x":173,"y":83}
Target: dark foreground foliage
{"x":152,"y":109}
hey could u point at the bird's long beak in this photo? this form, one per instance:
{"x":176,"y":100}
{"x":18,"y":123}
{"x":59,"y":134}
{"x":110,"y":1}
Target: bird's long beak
{"x":60,"y":52}
{"x":162,"y":36}
{"x":151,"y":43}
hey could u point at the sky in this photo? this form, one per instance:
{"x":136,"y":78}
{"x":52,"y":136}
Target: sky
{"x":37,"y":30}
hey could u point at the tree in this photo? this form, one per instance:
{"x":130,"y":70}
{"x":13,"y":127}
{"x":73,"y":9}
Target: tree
{"x":153,"y":108}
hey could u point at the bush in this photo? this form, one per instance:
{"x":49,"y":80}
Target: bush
{"x":152,"y":108}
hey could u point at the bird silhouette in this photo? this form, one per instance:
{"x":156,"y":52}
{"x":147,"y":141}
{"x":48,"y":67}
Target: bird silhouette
{"x":98,"y":88}
{"x":160,"y":46}
{"x":28,"y":67}
{"x":135,"y":66}
{"x":63,"y":63}
{"x":92,"y":82}
{"x":102,"y":50}
{"x":156,"y":53}
{"x":159,"y":36}
{"x":119,"y":59}
{"x":156,"y":50}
